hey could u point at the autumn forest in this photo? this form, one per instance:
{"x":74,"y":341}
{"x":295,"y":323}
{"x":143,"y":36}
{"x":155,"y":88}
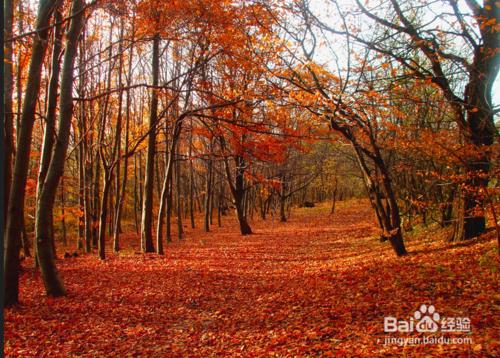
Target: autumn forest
{"x":279,"y":178}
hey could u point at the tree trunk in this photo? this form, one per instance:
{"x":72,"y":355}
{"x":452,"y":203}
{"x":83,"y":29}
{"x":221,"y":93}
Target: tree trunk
{"x":389,"y":218}
{"x":8,"y":72}
{"x":147,"y":206}
{"x":208,"y":192}
{"x":168,"y":219}
{"x":480,"y":130}
{"x":163,"y":199}
{"x":50,"y":116}
{"x":282,"y":208}
{"x":96,"y":194}
{"x":121,"y":194}
{"x":245,"y":228}
{"x":180,"y":231}
{"x":191,"y":178}
{"x":24,"y":135}
{"x":53,"y":283}
{"x":334,"y":198}
{"x":63,"y":214}
{"x":81,"y":194}
{"x":101,"y":243}
{"x":238,"y":191}
{"x":136,"y":195}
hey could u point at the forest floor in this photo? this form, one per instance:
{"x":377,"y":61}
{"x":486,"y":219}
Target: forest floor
{"x":317,"y":285}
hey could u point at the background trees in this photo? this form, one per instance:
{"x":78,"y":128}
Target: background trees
{"x":448,"y":45}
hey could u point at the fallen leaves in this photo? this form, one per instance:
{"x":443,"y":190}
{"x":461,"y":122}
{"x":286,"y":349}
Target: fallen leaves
{"x":318,"y":285}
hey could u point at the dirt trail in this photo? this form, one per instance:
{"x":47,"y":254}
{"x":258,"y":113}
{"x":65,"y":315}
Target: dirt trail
{"x":317,"y":285}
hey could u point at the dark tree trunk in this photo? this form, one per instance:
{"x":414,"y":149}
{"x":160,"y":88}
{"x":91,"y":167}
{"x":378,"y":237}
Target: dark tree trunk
{"x":8,"y":87}
{"x":168,"y":219}
{"x":122,"y":192}
{"x":20,"y":171}
{"x":163,"y":198}
{"x":208,"y":192}
{"x":96,"y":195}
{"x":191,"y":184}
{"x":137,"y":202}
{"x":101,"y":243}
{"x":282,"y":208}
{"x":53,"y":284}
{"x":334,"y":196}
{"x":388,"y":216}
{"x":63,"y":214}
{"x":50,"y":116}
{"x":245,"y":228}
{"x":81,"y":195}
{"x":180,"y":231}
{"x":147,"y":205}
{"x":480,"y":128}
{"x":238,"y":191}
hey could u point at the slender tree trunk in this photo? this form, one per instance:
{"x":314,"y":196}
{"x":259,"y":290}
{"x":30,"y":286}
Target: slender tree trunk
{"x":87,"y":171}
{"x":26,"y":242}
{"x":101,"y":243}
{"x":191,"y":181}
{"x":88,"y":217}
{"x":24,"y":135}
{"x":81,"y":199}
{"x":221,"y":198}
{"x":96,"y":194}
{"x":85,"y":166}
{"x":208,"y":194}
{"x":164,"y":198}
{"x":334,"y":195}
{"x":63,"y":214}
{"x":388,"y":217}
{"x":8,"y":73}
{"x":53,"y":284}
{"x":137,"y":203}
{"x":147,"y":205}
{"x":178,"y":189}
{"x":121,"y":198}
{"x":168,"y":220}
{"x":50,"y":117}
{"x":166,"y":193}
{"x":19,"y":72}
{"x":117,"y":149}
{"x":87,"y":179}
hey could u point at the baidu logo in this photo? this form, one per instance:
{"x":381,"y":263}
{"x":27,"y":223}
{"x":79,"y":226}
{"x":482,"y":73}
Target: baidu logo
{"x":427,"y":320}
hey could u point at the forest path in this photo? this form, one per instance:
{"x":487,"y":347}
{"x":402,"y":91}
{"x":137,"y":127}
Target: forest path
{"x":319,"y":284}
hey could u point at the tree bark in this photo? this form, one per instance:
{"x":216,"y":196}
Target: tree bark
{"x":50,"y":116}
{"x":8,"y":73}
{"x":191,"y":180}
{"x":238,"y":191}
{"x":121,"y":194}
{"x":147,"y":206}
{"x":24,"y":135}
{"x":389,"y":217}
{"x":208,"y":193}
{"x":101,"y":243}
{"x":180,"y":230}
{"x":282,"y":208}
{"x":53,"y":284}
